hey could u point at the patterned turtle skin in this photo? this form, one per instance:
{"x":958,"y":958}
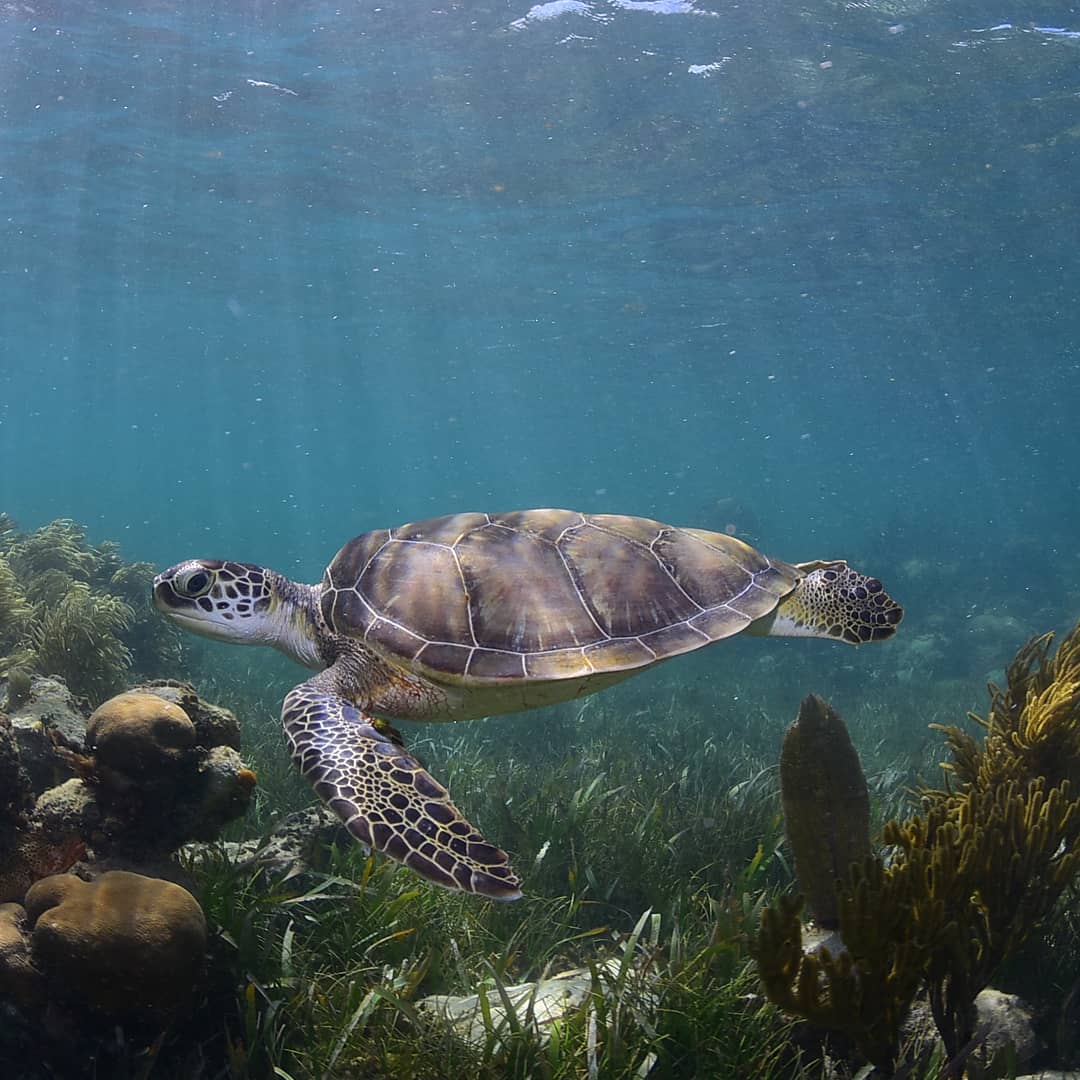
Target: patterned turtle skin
{"x":478,"y":614}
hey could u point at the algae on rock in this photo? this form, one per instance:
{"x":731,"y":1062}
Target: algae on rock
{"x":968,"y":878}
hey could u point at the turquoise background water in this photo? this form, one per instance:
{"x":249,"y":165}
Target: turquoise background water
{"x":274,"y":274}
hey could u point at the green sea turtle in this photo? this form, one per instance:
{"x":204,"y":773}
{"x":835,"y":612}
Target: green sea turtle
{"x":478,"y":614}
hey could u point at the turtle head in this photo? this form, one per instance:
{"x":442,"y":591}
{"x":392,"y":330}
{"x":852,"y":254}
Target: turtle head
{"x":240,"y":603}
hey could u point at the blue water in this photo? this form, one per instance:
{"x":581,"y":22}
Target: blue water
{"x":273,"y":274}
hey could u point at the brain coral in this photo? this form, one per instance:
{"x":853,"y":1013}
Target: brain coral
{"x":121,"y":946}
{"x":140,"y":736}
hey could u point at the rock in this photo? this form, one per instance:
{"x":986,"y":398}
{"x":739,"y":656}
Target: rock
{"x":1010,"y":1022}
{"x":300,"y":842}
{"x":68,"y":808}
{"x":221,"y":793}
{"x":1003,"y":1020}
{"x":298,"y":845}
{"x":50,"y":710}
{"x":15,"y":791}
{"x":54,"y":705}
{"x":541,"y":1004}
{"x":122,"y":946}
{"x":815,"y":938}
{"x":50,"y":840}
{"x":546,"y":1002}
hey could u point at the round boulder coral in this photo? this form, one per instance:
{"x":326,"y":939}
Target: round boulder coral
{"x":214,"y":726}
{"x":120,"y":946}
{"x":140,"y":737}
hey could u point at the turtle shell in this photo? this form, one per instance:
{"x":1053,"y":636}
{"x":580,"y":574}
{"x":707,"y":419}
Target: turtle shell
{"x":545,"y":595}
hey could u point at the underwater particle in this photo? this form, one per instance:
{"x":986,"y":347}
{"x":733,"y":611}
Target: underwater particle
{"x":123,"y":945}
{"x":826,"y":805}
{"x":263,"y":84}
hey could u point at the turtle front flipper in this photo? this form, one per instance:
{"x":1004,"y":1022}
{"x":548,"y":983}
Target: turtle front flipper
{"x":386,"y":798}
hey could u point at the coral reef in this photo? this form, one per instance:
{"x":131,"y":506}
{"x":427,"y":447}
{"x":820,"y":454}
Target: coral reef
{"x":143,"y":778}
{"x":146,"y":780}
{"x":968,"y":879}
{"x":159,"y":779}
{"x":75,"y":610}
{"x":122,"y":945}
{"x":60,"y":545}
{"x":155,"y":778}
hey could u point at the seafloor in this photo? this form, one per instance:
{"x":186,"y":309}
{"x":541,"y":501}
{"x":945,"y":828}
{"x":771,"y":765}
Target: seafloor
{"x":647,"y":823}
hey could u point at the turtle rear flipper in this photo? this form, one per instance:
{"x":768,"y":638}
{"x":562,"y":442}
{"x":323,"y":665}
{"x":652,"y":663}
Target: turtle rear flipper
{"x":385,"y":797}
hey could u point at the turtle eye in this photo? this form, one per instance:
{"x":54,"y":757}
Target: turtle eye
{"x":194,"y":584}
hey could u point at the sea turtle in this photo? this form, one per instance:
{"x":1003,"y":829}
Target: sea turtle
{"x":477,"y":614}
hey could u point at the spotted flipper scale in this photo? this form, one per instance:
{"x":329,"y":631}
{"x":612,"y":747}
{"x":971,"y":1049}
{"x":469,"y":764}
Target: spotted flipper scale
{"x":385,"y":797}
